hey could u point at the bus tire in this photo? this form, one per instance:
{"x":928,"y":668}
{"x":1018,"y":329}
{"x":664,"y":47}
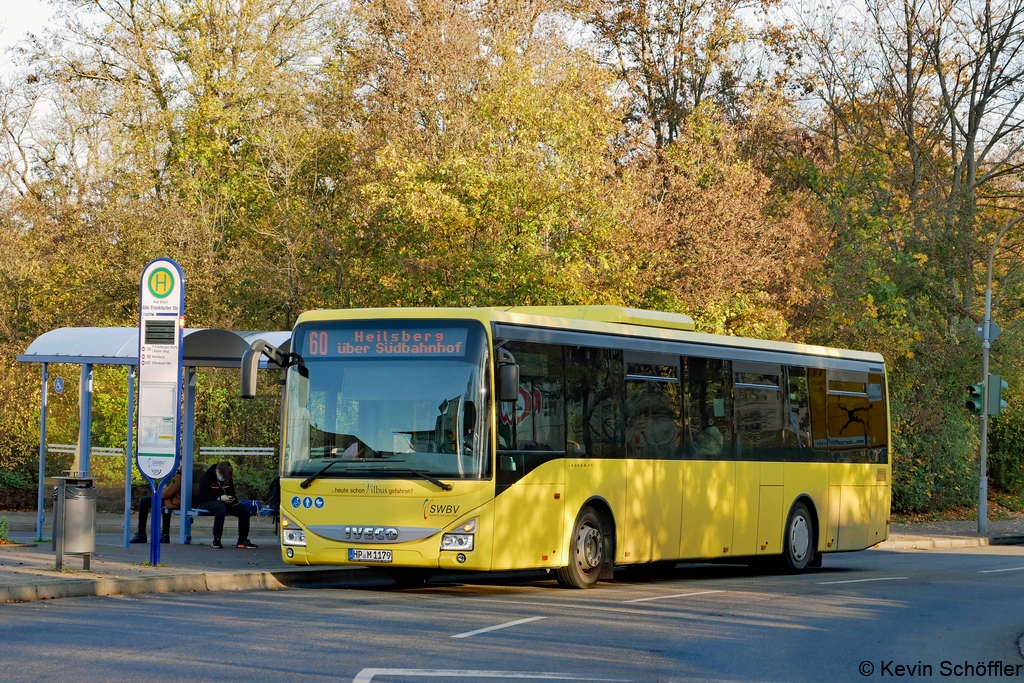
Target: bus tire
{"x":407,"y":577}
{"x":587,"y":550}
{"x":798,"y":542}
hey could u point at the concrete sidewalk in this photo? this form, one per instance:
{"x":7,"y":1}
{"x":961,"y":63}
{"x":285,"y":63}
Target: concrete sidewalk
{"x":27,"y":570}
{"x":955,"y":534}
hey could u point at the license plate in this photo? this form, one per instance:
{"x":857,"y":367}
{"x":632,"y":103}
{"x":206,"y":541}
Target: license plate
{"x":360,"y":555}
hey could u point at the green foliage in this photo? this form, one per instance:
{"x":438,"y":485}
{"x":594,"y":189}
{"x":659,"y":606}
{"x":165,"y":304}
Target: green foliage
{"x":12,"y":479}
{"x":4,"y":530}
{"x":1006,"y":449}
{"x":324,"y":154}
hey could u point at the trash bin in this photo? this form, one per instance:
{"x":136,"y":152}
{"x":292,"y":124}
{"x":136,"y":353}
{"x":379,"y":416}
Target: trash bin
{"x":80,"y":519}
{"x":74,"y":519}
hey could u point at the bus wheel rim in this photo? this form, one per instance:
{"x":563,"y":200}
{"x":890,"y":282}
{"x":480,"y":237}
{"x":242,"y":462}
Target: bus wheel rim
{"x":588,"y":547}
{"x":799,"y":538}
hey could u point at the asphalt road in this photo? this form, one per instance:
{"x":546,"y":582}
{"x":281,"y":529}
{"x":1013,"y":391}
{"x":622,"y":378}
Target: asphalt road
{"x":865,"y":612}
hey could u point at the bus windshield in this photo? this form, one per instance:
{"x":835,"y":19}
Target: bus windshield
{"x":387,"y":397}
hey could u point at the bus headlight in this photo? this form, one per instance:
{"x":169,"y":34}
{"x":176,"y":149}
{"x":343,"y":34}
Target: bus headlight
{"x":291,"y":533}
{"x":461,"y":537}
{"x":457,"y":542}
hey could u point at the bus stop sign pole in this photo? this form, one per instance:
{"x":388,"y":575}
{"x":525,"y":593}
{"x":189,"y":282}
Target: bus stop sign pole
{"x":161,"y":323}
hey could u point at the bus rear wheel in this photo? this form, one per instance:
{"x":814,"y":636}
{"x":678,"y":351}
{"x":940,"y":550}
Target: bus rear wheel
{"x":587,"y":549}
{"x":799,"y":542}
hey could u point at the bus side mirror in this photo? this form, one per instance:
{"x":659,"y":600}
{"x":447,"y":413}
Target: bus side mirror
{"x":508,"y":382}
{"x":250,"y":366}
{"x":468,"y":417}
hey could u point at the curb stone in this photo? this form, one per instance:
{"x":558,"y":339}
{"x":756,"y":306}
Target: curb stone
{"x":929,"y":542}
{"x":184,"y":583}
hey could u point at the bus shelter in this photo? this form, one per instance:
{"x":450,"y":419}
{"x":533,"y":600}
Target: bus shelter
{"x":91,"y":346}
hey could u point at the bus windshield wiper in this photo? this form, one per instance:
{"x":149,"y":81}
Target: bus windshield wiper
{"x":422,"y":475}
{"x":309,"y":480}
{"x":404,"y":470}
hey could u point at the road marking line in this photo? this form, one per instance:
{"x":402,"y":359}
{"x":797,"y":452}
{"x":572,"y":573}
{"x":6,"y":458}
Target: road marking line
{"x":584,"y":607}
{"x":366,"y":675}
{"x":495,"y":628}
{"x":666,"y":597}
{"x":995,"y":571}
{"x":884,"y":578}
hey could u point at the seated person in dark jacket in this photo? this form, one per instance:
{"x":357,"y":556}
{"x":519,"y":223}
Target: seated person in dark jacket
{"x":171,"y":495}
{"x":217,"y":495}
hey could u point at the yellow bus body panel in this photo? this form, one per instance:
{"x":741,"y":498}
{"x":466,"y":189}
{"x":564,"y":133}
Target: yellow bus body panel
{"x":389,"y":503}
{"x":709,"y":506}
{"x":529,"y":533}
{"x":653,"y":510}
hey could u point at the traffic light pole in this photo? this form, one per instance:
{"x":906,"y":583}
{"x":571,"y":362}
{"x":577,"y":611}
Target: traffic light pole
{"x":986,"y":344}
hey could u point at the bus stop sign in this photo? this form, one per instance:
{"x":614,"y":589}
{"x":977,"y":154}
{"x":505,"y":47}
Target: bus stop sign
{"x":161,"y":321}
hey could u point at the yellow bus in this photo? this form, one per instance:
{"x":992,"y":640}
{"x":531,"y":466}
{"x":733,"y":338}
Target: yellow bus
{"x":573,"y":439}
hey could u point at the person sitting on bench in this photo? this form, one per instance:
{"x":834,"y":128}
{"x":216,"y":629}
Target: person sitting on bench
{"x":171,"y":496}
{"x":217,"y":496}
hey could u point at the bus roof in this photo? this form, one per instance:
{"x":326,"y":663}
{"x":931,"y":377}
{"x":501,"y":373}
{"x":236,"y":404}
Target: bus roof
{"x":619,"y":320}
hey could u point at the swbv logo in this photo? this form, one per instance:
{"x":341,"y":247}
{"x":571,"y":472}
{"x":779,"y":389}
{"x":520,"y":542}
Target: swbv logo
{"x":432,"y":509}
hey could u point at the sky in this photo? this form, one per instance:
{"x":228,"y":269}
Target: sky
{"x":18,"y":17}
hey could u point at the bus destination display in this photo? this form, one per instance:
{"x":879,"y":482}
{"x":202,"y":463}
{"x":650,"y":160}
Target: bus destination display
{"x":387,"y":343}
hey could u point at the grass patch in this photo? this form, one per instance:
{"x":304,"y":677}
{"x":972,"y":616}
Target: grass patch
{"x":5,"y":529}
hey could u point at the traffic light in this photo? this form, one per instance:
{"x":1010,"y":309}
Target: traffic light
{"x":996,"y":386}
{"x":975,"y":398}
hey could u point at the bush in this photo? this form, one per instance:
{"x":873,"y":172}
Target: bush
{"x":1006,"y":450}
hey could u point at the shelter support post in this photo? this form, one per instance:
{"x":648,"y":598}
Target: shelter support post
{"x":85,"y":420}
{"x":187,"y":450}
{"x":40,"y":500}
{"x":129,"y":451}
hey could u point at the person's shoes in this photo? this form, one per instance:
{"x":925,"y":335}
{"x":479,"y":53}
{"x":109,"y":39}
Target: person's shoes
{"x":139,"y":538}
{"x":246,"y":544}
{"x":216,"y":543}
{"x":165,"y":538}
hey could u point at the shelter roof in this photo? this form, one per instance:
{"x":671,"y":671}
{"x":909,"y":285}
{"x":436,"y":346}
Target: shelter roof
{"x":208,"y":347}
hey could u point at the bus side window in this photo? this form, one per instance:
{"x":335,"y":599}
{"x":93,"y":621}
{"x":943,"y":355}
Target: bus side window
{"x":594,"y":388}
{"x":709,"y":409}
{"x":878,"y":425}
{"x":848,"y":410}
{"x":759,"y":411}
{"x":653,"y":407}
{"x":798,"y":416}
{"x":540,"y":410}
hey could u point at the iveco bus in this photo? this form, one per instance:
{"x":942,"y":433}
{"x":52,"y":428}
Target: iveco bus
{"x":574,"y":439}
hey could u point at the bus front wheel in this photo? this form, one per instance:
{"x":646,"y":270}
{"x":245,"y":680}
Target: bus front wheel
{"x":799,"y":543}
{"x":586,"y":552}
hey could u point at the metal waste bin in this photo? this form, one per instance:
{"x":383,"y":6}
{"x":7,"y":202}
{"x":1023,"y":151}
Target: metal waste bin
{"x":80,"y":519}
{"x":74,"y":519}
